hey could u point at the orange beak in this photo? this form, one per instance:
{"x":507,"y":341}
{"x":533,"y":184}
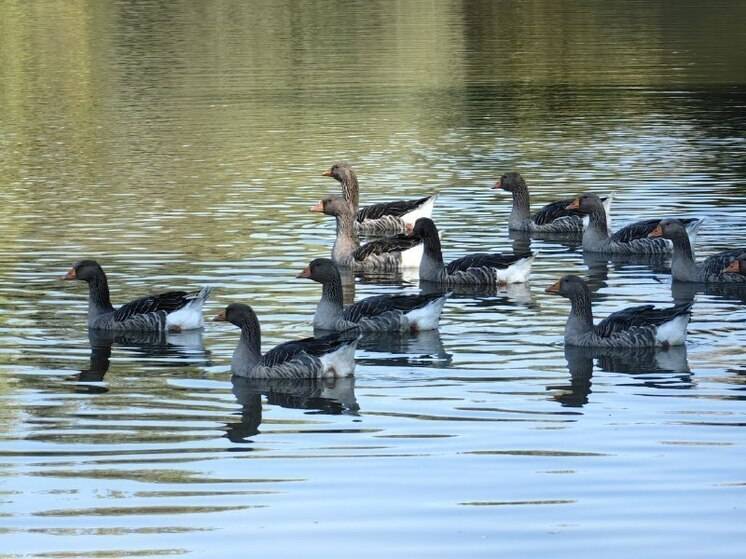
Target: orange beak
{"x":409,"y":229}
{"x":734,"y":267}
{"x":306,"y":273}
{"x":220,"y":317}
{"x":70,"y":275}
{"x":327,"y":173}
{"x":574,"y":205}
{"x":498,"y":185}
{"x":657,"y":232}
{"x":554,"y":288}
{"x":319,"y":207}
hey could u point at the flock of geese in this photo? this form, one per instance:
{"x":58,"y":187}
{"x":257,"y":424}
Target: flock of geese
{"x":406,"y":238}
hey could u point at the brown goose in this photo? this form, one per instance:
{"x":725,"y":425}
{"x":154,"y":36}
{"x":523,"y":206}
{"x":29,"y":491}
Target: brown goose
{"x":379,"y":219}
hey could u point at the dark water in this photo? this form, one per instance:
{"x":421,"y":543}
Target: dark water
{"x":181,"y":143}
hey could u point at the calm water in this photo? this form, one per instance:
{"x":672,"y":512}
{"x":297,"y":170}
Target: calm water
{"x":181,"y":144}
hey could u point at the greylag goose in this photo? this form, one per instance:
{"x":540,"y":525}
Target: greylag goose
{"x":379,"y":219}
{"x":329,"y":356}
{"x":552,"y":218}
{"x":386,"y":255}
{"x":722,"y":267}
{"x":632,"y":239}
{"x":480,"y":269}
{"x":642,"y":326}
{"x":173,"y":310}
{"x":381,"y":313}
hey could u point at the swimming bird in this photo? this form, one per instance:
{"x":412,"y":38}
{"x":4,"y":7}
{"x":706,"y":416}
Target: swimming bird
{"x":172,"y":310}
{"x":381,"y":313}
{"x":329,"y":356}
{"x":641,"y":326}
{"x":632,"y":239}
{"x":479,"y":269}
{"x":379,"y":219}
{"x":552,"y":218}
{"x":388,"y":254}
{"x":722,"y":267}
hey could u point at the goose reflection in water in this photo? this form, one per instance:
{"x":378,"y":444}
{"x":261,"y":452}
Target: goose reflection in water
{"x":404,"y":349}
{"x":166,"y":348}
{"x":330,"y":396}
{"x":598,"y":267}
{"x":580,"y":362}
{"x":684,"y":292}
{"x":513,"y":293}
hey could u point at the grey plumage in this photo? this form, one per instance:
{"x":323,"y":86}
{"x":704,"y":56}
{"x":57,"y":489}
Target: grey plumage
{"x":712,"y":269}
{"x":150,"y":313}
{"x":377,"y":219}
{"x":596,"y":236}
{"x":552,"y":218}
{"x":641,"y":326}
{"x":381,"y":313}
{"x":383,"y":255}
{"x":481,"y":269}
{"x":306,"y":358}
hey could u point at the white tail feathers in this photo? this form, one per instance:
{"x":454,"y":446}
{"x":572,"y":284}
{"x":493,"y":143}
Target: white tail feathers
{"x":672,"y":332}
{"x":517,"y":272}
{"x":189,"y":317}
{"x":425,"y":210}
{"x":428,"y":317}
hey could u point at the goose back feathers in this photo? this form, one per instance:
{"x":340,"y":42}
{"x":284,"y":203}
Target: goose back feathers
{"x":555,"y":217}
{"x":714,"y":269}
{"x":481,"y":269}
{"x":381,"y":313}
{"x":172,"y":310}
{"x":383,"y":255}
{"x":327,"y":356}
{"x":640,"y":326}
{"x":379,"y":219}
{"x":628,"y":241}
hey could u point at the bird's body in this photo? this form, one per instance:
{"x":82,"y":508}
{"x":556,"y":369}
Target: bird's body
{"x":480,"y":269}
{"x":718,"y":268}
{"x":632,"y":239}
{"x":389,"y":254}
{"x":552,"y":218}
{"x":381,"y":313}
{"x":386,"y":218}
{"x":172,"y":310}
{"x":641,"y":326}
{"x":327,"y":356}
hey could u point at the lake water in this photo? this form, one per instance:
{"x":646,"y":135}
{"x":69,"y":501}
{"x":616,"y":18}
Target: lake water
{"x":181,"y":144}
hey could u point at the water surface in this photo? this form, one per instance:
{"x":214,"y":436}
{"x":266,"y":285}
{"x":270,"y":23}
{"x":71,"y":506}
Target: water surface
{"x":181,"y":144}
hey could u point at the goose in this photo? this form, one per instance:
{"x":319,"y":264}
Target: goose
{"x":381,"y":313}
{"x":641,"y":326}
{"x":480,"y":269}
{"x":326,"y":357}
{"x":632,"y":239}
{"x":379,"y":219}
{"x":388,"y":254}
{"x":173,"y":310}
{"x":722,"y":267}
{"x":552,"y":218}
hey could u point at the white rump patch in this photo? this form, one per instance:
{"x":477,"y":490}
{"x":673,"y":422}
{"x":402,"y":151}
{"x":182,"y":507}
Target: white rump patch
{"x":427,"y":317}
{"x":517,"y":272}
{"x":672,"y":332}
{"x":339,"y":363}
{"x":425,"y":210}
{"x":412,"y":257}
